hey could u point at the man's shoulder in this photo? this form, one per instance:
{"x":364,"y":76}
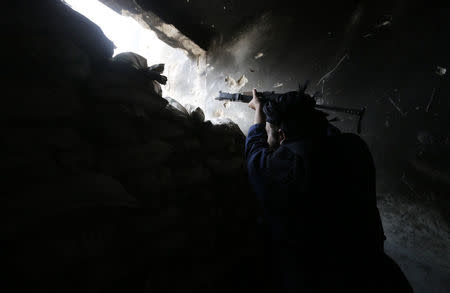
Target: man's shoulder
{"x":282,"y":158}
{"x":338,"y":142}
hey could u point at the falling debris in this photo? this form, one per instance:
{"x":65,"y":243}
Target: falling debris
{"x":259,"y":55}
{"x":320,"y":101}
{"x":218,"y":113}
{"x":278,"y":84}
{"x":195,"y":112}
{"x":227,"y":104}
{"x":397,"y":107}
{"x":159,"y":68}
{"x":236,"y":85}
{"x":326,"y":76}
{"x":242,"y":81}
{"x":252,"y":70}
{"x":384,"y":24}
{"x":409,"y":185}
{"x":386,"y":21}
{"x":366,"y":36}
{"x":433,"y":93}
{"x":441,"y":71}
{"x":230,"y":81}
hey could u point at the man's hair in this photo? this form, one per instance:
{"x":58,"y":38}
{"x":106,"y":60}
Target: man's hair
{"x":295,"y":113}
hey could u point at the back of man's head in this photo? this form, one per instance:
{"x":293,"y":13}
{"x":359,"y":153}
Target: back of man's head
{"x":295,"y":113}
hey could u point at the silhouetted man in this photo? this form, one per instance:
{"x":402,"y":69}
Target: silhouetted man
{"x":317,"y":188}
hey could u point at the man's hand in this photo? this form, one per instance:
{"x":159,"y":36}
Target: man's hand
{"x":255,"y":103}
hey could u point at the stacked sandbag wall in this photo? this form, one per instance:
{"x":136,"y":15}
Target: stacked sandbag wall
{"x":107,"y":186}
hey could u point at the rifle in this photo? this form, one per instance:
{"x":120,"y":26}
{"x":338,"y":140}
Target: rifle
{"x":246,"y":97}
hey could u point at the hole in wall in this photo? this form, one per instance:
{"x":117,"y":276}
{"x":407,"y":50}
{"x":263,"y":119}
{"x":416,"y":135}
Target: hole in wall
{"x":186,"y":83}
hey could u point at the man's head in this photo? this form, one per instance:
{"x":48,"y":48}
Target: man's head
{"x":275,"y":135}
{"x":293,"y":116}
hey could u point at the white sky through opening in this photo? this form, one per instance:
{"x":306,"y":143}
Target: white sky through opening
{"x":129,"y":36}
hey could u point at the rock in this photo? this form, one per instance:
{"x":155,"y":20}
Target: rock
{"x":149,"y":183}
{"x":176,"y":105}
{"x":196,"y":112}
{"x":192,"y":175}
{"x":77,"y":160}
{"x":55,"y":56}
{"x":18,"y":168}
{"x":150,"y":102}
{"x":116,"y":74}
{"x":156,"y":87}
{"x":40,"y":103}
{"x":167,"y":130}
{"x":192,"y":144}
{"x":139,"y":63}
{"x":115,"y":125}
{"x":132,"y":59}
{"x":72,"y":192}
{"x":159,"y":68}
{"x":226,"y":167}
{"x":31,"y":139}
{"x":56,"y":18}
{"x":120,"y":160}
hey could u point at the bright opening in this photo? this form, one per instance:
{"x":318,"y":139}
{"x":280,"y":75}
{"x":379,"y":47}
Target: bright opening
{"x":185,"y":82}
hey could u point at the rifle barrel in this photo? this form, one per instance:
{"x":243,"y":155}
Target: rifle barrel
{"x":246,"y":97}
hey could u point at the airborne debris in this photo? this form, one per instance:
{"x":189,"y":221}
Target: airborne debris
{"x":242,"y":81}
{"x":232,"y":83}
{"x":441,"y":71}
{"x":320,"y":101}
{"x":385,"y":21}
{"x":397,"y":107}
{"x":218,"y":113}
{"x":433,"y":93}
{"x":227,"y":104}
{"x":405,"y":181}
{"x":278,"y":84}
{"x":384,"y":24}
{"x":326,"y":76}
{"x":259,"y":55}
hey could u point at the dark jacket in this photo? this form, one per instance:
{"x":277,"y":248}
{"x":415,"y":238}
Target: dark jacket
{"x":319,"y":201}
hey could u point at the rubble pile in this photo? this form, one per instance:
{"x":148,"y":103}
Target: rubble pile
{"x":106,"y":182}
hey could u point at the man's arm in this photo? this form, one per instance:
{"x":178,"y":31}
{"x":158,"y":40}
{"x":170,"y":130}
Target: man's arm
{"x":256,"y":147}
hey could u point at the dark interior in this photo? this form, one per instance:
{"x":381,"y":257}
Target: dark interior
{"x":109,"y":187}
